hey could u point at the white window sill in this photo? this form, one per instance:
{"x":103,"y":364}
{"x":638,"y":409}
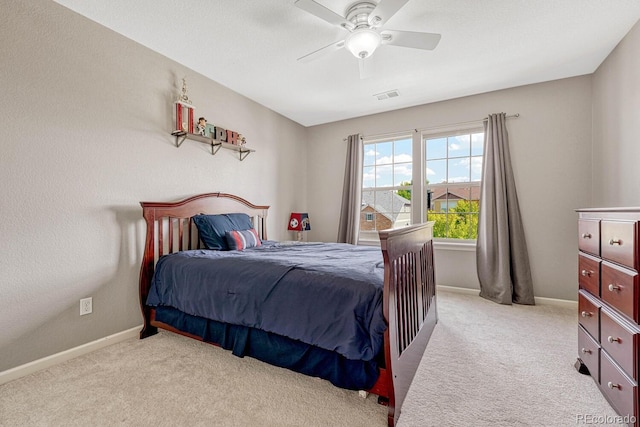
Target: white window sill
{"x":447,"y":245}
{"x":442,"y":245}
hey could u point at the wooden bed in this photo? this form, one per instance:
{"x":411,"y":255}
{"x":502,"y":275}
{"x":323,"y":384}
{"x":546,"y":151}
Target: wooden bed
{"x":409,"y":299}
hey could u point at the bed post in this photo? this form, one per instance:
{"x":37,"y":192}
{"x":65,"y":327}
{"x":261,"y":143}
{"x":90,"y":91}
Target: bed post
{"x":146,"y":271}
{"x":409,"y":306}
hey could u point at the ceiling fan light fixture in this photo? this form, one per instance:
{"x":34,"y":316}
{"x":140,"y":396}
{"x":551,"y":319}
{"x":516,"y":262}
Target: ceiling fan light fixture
{"x":363,"y":42}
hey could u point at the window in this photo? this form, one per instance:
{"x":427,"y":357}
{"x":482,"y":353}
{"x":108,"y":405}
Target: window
{"x":387,"y":174}
{"x":442,"y":171}
{"x":453,"y":167}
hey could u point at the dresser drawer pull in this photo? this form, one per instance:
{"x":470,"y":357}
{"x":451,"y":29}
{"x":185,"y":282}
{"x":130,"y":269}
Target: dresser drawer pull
{"x":586,"y":314}
{"x":615,"y":242}
{"x":586,"y":235}
{"x":612,"y":339}
{"x":614,"y":288}
{"x":586,"y":273}
{"x":612,"y":385}
{"x":585,"y":351}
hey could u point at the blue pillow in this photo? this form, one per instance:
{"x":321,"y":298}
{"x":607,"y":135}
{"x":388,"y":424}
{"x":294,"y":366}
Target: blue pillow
{"x":240,"y":240}
{"x":213,"y":228}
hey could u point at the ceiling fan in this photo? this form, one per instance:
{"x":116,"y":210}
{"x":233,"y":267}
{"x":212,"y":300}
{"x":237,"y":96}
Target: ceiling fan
{"x":364,"y":21}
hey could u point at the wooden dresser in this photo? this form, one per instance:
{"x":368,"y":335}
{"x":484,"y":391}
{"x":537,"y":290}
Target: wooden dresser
{"x":609,"y":304}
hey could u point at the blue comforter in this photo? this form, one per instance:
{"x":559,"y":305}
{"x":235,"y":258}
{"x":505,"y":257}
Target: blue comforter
{"x":324,"y":294}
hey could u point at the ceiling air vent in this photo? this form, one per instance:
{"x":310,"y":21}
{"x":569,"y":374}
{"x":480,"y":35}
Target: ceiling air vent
{"x":385,"y":95}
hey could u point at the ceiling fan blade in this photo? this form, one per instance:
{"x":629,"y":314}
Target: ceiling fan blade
{"x":384,"y":11}
{"x":323,"y":13}
{"x":415,"y":40}
{"x":366,"y":68}
{"x":333,"y":47}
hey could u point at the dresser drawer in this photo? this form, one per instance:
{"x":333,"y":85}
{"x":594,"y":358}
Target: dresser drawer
{"x":620,"y":340}
{"x":589,"y":353}
{"x":589,"y":236}
{"x":618,"y":242}
{"x":589,"y":315}
{"x":620,"y":289}
{"x":621,"y":391}
{"x":589,"y":273}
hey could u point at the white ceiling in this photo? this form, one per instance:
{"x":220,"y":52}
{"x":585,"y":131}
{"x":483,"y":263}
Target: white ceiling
{"x":252,"y":46}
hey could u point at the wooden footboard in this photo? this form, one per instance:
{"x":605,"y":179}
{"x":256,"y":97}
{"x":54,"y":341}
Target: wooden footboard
{"x":409,"y":306}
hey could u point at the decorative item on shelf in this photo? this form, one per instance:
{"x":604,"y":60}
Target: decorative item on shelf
{"x":184,"y":122}
{"x":216,"y":137}
{"x":299,"y":221}
{"x":210,"y":130}
{"x":202,"y":126}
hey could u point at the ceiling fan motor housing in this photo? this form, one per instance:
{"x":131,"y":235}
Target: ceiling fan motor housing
{"x":359,"y":13}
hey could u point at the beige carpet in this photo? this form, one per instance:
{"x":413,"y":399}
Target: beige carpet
{"x":486,"y":365}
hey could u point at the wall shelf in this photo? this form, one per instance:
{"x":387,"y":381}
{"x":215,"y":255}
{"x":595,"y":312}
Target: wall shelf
{"x":181,"y":136}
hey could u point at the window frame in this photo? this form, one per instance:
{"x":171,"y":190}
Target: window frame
{"x":466,"y":129}
{"x":419,"y":192}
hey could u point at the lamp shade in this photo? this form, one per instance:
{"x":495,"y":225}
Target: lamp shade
{"x":299,"y":221}
{"x":363,"y":42}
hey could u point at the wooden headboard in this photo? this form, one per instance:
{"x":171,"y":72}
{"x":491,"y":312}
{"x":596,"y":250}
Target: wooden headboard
{"x":170,"y":228}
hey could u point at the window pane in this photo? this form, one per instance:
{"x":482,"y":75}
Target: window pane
{"x":436,"y":171}
{"x":461,"y":226}
{"x":369,"y":155}
{"x":388,"y":209}
{"x":368,"y":177}
{"x":475,"y":200}
{"x":459,"y":170}
{"x":473,"y":226}
{"x":384,"y":176}
{"x":384,"y":153}
{"x":477,"y":144}
{"x":402,"y":151}
{"x":436,"y":148}
{"x":476,"y":168}
{"x":440,"y":226}
{"x":402,"y":173}
{"x":460,"y":146}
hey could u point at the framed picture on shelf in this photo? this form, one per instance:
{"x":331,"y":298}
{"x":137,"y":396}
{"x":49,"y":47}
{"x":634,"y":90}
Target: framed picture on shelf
{"x":210,"y":131}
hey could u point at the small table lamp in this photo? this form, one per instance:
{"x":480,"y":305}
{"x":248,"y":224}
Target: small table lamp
{"x":299,"y":222}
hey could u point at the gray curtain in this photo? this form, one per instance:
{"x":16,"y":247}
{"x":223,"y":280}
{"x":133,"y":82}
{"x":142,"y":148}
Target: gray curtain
{"x":501,"y":254}
{"x":351,"y":192}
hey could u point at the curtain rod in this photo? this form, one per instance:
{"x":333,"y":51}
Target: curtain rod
{"x":512,"y":116}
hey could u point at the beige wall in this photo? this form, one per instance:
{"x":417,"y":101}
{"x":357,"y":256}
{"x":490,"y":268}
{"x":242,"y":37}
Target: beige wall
{"x":616,"y":125}
{"x":86,"y":116}
{"x":551,"y":155}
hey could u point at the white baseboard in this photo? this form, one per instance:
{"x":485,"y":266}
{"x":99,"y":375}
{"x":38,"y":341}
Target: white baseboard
{"x":539,"y":300}
{"x":466,"y":291}
{"x":55,"y":359}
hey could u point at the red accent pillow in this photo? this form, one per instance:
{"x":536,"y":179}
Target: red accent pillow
{"x":239,"y":240}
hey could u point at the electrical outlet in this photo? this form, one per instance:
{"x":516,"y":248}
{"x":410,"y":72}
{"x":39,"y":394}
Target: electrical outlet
{"x":86,"y":306}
